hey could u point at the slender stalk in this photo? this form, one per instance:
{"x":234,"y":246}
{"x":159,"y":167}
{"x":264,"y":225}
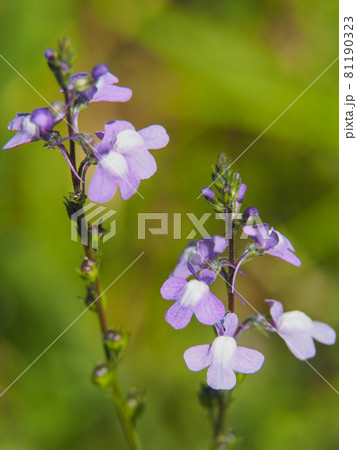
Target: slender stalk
{"x":118,"y":399}
{"x":72,"y":145}
{"x":231,"y":262}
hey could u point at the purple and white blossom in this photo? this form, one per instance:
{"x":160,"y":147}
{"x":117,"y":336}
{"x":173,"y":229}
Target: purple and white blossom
{"x":104,"y":88}
{"x":199,"y":254}
{"x":223,"y":356}
{"x":30,"y":127}
{"x":192,"y":297}
{"x":272,"y":242}
{"x":124,"y":159}
{"x":299,"y":331}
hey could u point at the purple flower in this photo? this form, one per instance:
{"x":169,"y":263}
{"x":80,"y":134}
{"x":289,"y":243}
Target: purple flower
{"x":272,"y":242}
{"x":208,"y":193}
{"x":30,"y":127}
{"x":43,"y":118}
{"x":198,"y":254}
{"x":103,"y":89}
{"x":192,"y":297}
{"x":223,"y":357}
{"x":250,"y":212}
{"x":241,"y":192}
{"x":299,"y":331}
{"x":124,"y":159}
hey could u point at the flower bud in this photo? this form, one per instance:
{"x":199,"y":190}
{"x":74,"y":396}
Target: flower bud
{"x":135,"y":403}
{"x":43,"y":118}
{"x":208,"y":193}
{"x":50,"y":54}
{"x":89,"y":269}
{"x":241,"y":192}
{"x":250,"y":212}
{"x":115,"y":340}
{"x":99,"y":71}
{"x":102,"y":376}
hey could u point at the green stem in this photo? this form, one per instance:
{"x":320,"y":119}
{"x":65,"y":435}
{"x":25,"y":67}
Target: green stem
{"x":118,"y":399}
{"x":130,"y":432}
{"x":231,"y":261}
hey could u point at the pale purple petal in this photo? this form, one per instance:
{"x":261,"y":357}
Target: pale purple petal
{"x":16,"y":123}
{"x":102,"y":186}
{"x":276,"y":311}
{"x":198,"y":357}
{"x":112,"y":94}
{"x":284,"y":250}
{"x":209,"y":310}
{"x":259,"y":233}
{"x":323,"y":333}
{"x":141,"y":163}
{"x":20,"y":138}
{"x":299,"y":343}
{"x":188,"y":254}
{"x":178,"y":316}
{"x":219,"y":377}
{"x":106,"y":92}
{"x":210,"y":248}
{"x":182,"y":270}
{"x":285,"y":254}
{"x":116,"y":126}
{"x":241,"y":192}
{"x":155,"y":136}
{"x":172,"y":288}
{"x":230,"y":324}
{"x":128,"y":185}
{"x":246,"y":360}
{"x":207,"y":276}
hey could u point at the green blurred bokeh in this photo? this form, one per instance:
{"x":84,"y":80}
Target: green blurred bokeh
{"x":215,"y":74}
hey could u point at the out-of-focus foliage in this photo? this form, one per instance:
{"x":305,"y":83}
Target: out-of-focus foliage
{"x":215,"y":74}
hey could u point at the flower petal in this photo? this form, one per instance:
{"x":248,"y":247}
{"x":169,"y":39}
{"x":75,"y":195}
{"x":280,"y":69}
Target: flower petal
{"x":102,"y":186}
{"x":230,"y":324}
{"x":128,"y":186}
{"x":20,"y":138}
{"x":141,"y":163}
{"x":106,"y":92}
{"x":299,"y":343}
{"x":323,"y":333}
{"x":155,"y":136}
{"x":219,"y":377}
{"x":276,"y":311}
{"x":198,"y":357}
{"x":171,"y":289}
{"x":209,"y":310}
{"x":178,"y":316}
{"x":112,"y":94}
{"x":210,"y":248}
{"x":207,"y":276}
{"x":246,"y":360}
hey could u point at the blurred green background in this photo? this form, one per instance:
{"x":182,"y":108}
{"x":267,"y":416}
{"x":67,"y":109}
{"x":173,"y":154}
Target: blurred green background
{"x":215,"y":74}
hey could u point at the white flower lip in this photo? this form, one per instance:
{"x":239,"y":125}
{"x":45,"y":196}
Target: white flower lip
{"x":115,"y":163}
{"x":193,"y":293}
{"x":295,"y":321}
{"x":223,"y":349}
{"x":128,"y":140}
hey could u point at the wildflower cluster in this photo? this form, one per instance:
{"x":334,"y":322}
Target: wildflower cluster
{"x":120,"y":153}
{"x":202,"y":263}
{"x":122,"y":159}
